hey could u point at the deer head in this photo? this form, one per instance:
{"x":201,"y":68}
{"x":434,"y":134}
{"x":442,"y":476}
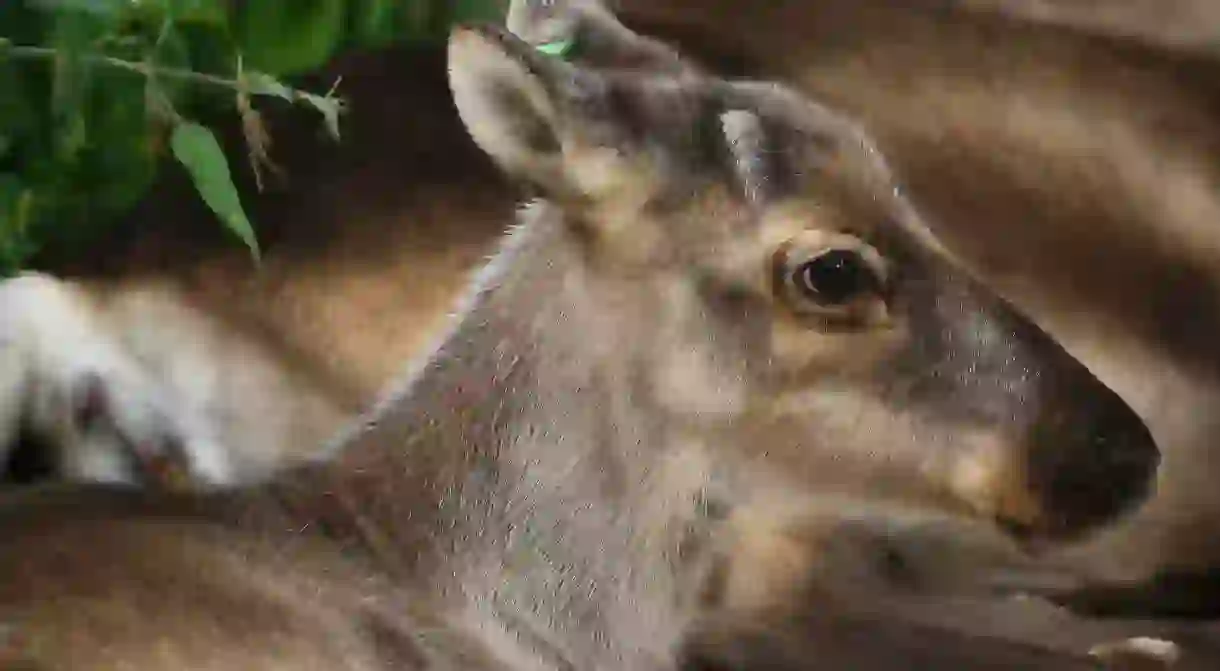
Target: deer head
{"x":744,"y":259}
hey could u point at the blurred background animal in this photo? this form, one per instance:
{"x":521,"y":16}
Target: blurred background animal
{"x":129,"y":385}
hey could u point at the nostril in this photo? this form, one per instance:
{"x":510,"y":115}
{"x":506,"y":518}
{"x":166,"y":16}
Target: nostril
{"x":1123,"y":441}
{"x":1136,"y":456}
{"x":1102,"y":470}
{"x":1126,"y":455}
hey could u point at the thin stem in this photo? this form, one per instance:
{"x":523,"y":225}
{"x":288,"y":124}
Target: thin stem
{"x":140,"y":68}
{"x":152,"y":72}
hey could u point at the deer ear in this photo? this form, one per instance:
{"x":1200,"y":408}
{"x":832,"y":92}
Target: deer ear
{"x":509,"y":98}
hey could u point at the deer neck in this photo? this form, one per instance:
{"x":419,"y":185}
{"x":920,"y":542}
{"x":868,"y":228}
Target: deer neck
{"x":519,"y":467}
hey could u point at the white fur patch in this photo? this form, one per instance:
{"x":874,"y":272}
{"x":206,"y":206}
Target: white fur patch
{"x":54,"y":342}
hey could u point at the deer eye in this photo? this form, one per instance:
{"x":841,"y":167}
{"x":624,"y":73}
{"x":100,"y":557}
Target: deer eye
{"x":834,"y":278}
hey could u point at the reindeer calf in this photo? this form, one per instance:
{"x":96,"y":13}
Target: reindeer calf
{"x":722,"y":297}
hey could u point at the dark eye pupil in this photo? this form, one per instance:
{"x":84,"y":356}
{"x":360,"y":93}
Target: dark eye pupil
{"x":834,"y":277}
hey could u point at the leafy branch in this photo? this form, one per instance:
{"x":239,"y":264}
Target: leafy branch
{"x":143,"y":68}
{"x":247,"y":82}
{"x":194,"y":145}
{"x":89,"y":88}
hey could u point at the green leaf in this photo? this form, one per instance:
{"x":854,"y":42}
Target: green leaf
{"x":288,"y":36}
{"x":10,"y":189}
{"x":210,"y":50}
{"x":72,"y":39}
{"x":261,"y":83}
{"x":372,"y":22}
{"x":22,"y":24}
{"x":106,"y":8}
{"x":118,"y":165}
{"x":197,"y":11}
{"x":197,"y":150}
{"x":170,"y":51}
{"x":461,"y":11}
{"x":15,"y":244}
{"x":17,"y":115}
{"x":329,"y":107}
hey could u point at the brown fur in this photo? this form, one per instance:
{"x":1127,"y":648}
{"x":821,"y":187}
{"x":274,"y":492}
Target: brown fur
{"x":778,"y":562}
{"x":1071,"y":167}
{"x":924,"y":80}
{"x":965,"y":182}
{"x":524,"y":499}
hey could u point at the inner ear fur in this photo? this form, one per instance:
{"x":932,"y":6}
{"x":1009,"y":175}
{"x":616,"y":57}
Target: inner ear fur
{"x":508,"y":101}
{"x":543,"y":121}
